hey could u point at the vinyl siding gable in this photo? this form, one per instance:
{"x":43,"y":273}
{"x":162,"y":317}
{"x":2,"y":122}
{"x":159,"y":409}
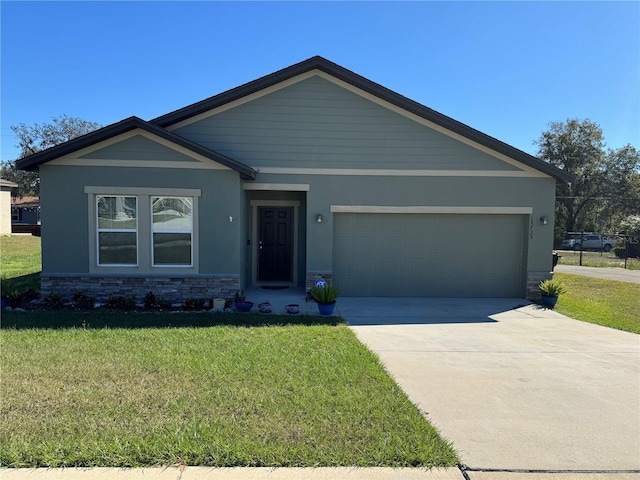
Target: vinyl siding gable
{"x":138,"y":147}
{"x":315,"y":123}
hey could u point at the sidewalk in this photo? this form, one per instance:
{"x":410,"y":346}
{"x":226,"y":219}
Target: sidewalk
{"x":327,"y":473}
{"x":241,"y":473}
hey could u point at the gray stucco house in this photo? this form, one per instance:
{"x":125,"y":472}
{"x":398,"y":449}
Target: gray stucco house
{"x":311,"y":170}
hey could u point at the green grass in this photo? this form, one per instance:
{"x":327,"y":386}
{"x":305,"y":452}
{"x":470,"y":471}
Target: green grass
{"x":228,"y":395}
{"x":597,"y":259}
{"x":605,"y":302}
{"x":20,"y":263}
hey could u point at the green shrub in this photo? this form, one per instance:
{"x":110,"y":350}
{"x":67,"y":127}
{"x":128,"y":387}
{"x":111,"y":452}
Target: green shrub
{"x":54,"y":301}
{"x":82,"y":301}
{"x":552,"y":288}
{"x":633,"y":250}
{"x":14,"y":299}
{"x":164,"y":304}
{"x":324,"y":294}
{"x":194,"y":304}
{"x":121,"y":303}
{"x":150,"y":301}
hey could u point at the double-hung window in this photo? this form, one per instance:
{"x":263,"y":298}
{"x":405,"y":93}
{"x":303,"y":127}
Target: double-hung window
{"x":117,"y":220}
{"x":172,"y":231}
{"x":141,"y":230}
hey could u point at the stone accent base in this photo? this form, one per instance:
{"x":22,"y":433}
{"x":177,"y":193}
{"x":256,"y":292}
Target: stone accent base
{"x":533,"y":280}
{"x":173,"y":289}
{"x":312,"y":275}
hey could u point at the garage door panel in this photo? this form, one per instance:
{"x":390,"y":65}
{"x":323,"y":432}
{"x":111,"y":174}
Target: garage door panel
{"x":429,"y":255}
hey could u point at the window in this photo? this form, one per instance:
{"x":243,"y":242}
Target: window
{"x":172,"y":231}
{"x":117,"y":220}
{"x":142,"y":230}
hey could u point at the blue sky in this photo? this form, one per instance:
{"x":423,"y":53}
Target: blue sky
{"x":505,"y":68}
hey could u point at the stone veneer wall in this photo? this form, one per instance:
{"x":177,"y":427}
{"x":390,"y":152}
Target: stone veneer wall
{"x":533,"y":280}
{"x":174,"y":288}
{"x":312,"y":276}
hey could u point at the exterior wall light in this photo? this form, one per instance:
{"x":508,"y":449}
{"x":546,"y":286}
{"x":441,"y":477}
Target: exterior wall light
{"x":544,"y":220}
{"x":230,"y":219}
{"x":319,"y":218}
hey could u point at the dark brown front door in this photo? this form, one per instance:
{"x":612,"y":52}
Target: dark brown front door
{"x":275,"y":244}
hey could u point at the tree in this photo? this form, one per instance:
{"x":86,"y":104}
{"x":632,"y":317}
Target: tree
{"x":602,"y":193}
{"x":38,"y":137}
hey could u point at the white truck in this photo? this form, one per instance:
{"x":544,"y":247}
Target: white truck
{"x":589,"y":241}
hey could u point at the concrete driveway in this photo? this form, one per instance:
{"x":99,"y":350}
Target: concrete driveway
{"x":512,"y":386}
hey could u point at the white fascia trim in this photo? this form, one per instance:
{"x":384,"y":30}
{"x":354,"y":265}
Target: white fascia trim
{"x":284,"y":187}
{"x":200,"y":162}
{"x":169,"y":192}
{"x":401,"y":173}
{"x":432,"y":210}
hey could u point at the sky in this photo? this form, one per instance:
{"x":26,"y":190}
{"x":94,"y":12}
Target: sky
{"x":505,"y":68}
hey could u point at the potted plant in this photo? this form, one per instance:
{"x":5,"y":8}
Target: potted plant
{"x":241,"y":303}
{"x":325,"y":296}
{"x":265,"y":307}
{"x":550,"y":291}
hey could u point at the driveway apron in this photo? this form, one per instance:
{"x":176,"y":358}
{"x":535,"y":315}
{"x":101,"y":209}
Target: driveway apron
{"x":511,"y":385}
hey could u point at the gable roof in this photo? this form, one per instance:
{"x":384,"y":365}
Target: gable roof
{"x":7,"y":183}
{"x":32,"y":162}
{"x":158,"y":125}
{"x":25,"y":202}
{"x":362,"y":83}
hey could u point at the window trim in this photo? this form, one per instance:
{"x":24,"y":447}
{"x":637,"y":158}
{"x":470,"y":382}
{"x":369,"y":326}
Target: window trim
{"x":116,"y":230}
{"x":144,"y":219}
{"x":153,"y":231}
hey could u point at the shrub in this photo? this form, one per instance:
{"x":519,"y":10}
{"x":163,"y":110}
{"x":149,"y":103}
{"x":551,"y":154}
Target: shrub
{"x":633,"y":250}
{"x":82,"y":301}
{"x":14,"y":299}
{"x":164,"y":304}
{"x":324,"y":294}
{"x":54,"y":301}
{"x":121,"y":303}
{"x":194,"y":304}
{"x":552,"y":288}
{"x":150,"y":301}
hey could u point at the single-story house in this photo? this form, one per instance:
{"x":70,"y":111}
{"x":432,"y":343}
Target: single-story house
{"x":309,"y":171}
{"x":25,"y":210}
{"x":5,"y":205}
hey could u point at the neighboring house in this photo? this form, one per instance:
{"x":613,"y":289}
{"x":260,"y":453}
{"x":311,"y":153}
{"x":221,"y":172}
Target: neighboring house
{"x":25,"y":210}
{"x":310,"y":171}
{"x":5,"y":206}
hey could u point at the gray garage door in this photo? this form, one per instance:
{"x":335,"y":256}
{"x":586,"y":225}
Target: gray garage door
{"x":429,"y":255}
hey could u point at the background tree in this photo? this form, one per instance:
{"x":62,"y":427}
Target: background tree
{"x":37,"y":137}
{"x":602,"y":194}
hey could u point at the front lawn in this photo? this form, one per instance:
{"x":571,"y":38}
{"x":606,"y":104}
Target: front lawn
{"x":20,"y":263}
{"x":226,"y":395}
{"x":605,"y":302}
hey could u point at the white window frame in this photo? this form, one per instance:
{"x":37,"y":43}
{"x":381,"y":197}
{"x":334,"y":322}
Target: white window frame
{"x":144,"y":227}
{"x":154,"y":230}
{"x":117,"y":230}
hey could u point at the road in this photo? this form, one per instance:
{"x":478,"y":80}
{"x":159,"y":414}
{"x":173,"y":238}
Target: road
{"x":619,"y":274}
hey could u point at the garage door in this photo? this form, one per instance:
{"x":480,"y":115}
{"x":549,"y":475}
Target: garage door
{"x":432,"y":255}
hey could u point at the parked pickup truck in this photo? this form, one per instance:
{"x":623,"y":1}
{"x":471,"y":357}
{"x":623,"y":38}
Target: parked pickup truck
{"x":589,"y":241}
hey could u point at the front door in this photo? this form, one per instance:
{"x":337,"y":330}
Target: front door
{"x":275,"y":244}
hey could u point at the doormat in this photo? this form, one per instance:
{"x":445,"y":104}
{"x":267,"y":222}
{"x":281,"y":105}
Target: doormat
{"x":271,"y":287}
